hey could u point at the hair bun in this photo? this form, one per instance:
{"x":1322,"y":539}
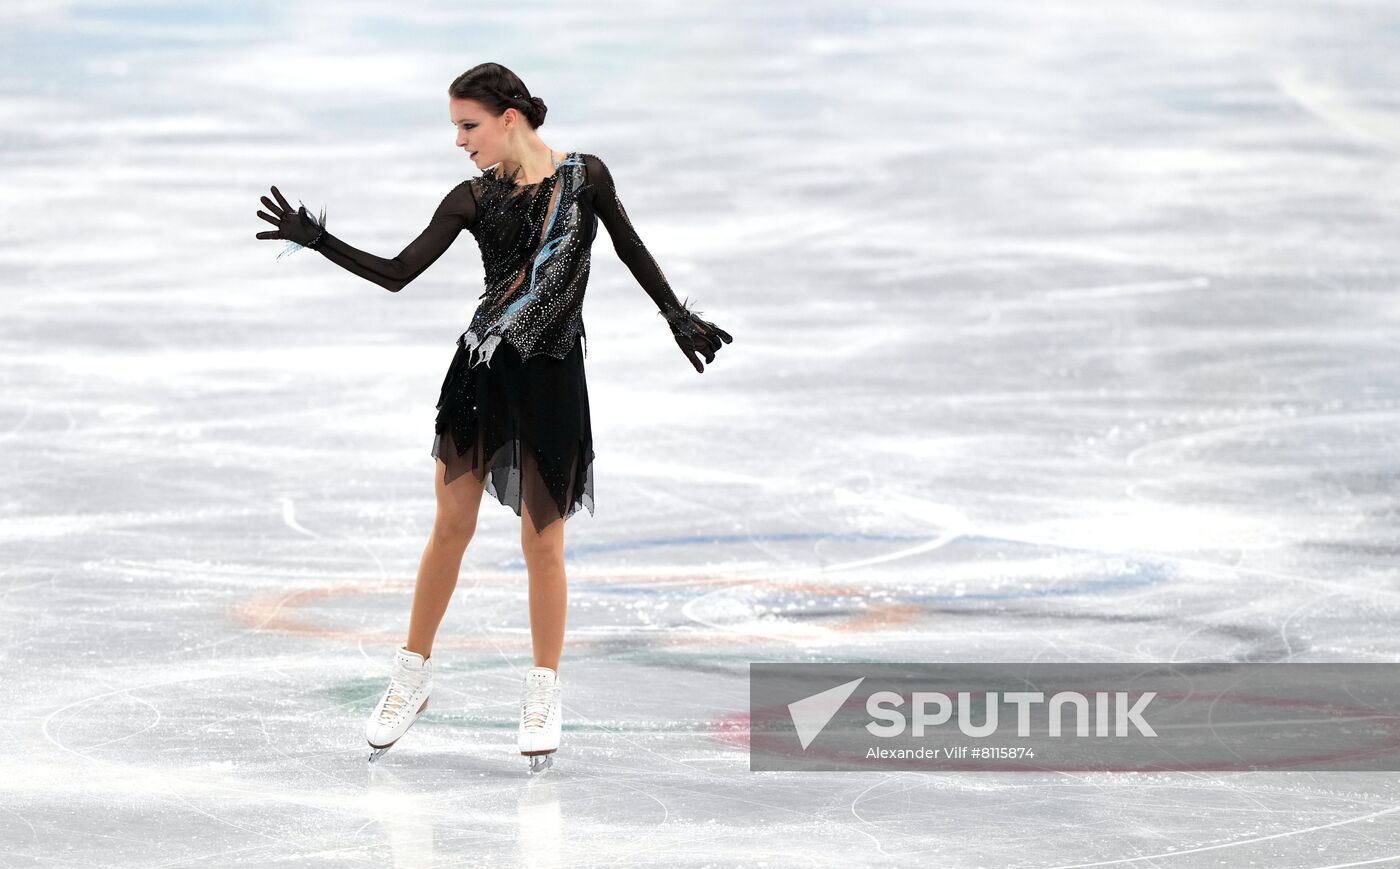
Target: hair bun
{"x":539,"y":110}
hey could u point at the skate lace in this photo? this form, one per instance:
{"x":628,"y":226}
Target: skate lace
{"x":538,"y":701}
{"x":396,"y":698}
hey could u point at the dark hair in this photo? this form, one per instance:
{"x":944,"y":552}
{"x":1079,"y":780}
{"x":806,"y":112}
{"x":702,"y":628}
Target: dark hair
{"x":498,"y":89}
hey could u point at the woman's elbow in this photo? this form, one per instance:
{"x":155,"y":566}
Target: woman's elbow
{"x":400,"y":280}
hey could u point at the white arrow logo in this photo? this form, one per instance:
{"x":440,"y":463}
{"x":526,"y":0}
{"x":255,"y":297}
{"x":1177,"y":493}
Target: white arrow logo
{"x":811,"y":714}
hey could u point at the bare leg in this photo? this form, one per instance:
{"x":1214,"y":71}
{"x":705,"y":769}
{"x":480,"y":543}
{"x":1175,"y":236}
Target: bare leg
{"x":549,"y":595}
{"x":453,"y":527}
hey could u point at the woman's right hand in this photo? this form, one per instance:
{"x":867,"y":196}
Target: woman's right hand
{"x":293,"y":224}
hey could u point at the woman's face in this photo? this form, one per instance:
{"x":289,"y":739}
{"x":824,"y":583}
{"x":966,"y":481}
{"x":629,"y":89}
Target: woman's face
{"x":481,"y":134}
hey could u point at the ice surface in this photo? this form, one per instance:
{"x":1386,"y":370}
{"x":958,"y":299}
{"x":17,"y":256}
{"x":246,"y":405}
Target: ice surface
{"x":1063,"y":331}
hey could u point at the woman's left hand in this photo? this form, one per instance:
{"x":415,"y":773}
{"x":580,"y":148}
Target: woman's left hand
{"x":696,"y":336}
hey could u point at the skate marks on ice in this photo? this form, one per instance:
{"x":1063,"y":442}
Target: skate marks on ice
{"x":1340,"y":108}
{"x":993,"y":576}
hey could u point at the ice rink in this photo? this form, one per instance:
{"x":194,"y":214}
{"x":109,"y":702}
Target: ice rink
{"x":1062,"y":332}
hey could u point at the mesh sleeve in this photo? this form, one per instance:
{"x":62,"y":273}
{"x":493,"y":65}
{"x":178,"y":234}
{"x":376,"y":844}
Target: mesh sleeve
{"x":456,"y":213}
{"x":625,"y":240}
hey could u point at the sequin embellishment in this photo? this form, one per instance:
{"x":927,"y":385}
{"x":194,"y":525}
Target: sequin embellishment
{"x":536,"y":260}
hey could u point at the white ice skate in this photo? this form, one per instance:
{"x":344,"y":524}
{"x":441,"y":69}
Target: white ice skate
{"x":539,"y":718}
{"x":403,"y":701}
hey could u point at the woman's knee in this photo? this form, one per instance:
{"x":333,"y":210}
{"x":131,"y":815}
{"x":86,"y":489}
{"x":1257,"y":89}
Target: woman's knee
{"x":543,"y":546}
{"x":455,"y":522}
{"x":453,"y":526}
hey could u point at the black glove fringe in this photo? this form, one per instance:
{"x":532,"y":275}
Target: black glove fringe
{"x":685,"y":312}
{"x":320,"y":223}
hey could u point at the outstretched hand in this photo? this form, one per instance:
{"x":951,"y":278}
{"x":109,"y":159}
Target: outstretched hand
{"x":293,"y":224}
{"x":697,"y":337}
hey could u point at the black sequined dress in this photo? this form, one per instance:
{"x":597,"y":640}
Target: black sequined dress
{"x":513,"y":407}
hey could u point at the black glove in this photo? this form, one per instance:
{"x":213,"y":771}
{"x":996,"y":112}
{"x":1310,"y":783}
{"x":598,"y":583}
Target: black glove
{"x":695,"y":335}
{"x":296,"y":226}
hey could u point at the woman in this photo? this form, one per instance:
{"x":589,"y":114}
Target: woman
{"x":513,"y":409}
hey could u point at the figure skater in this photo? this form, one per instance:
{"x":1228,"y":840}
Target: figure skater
{"x":513,"y":414}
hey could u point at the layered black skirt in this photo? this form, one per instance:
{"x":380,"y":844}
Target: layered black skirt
{"x":522,"y":427}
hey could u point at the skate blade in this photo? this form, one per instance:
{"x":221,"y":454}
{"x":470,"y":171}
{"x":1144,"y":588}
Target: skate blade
{"x":540,"y":762}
